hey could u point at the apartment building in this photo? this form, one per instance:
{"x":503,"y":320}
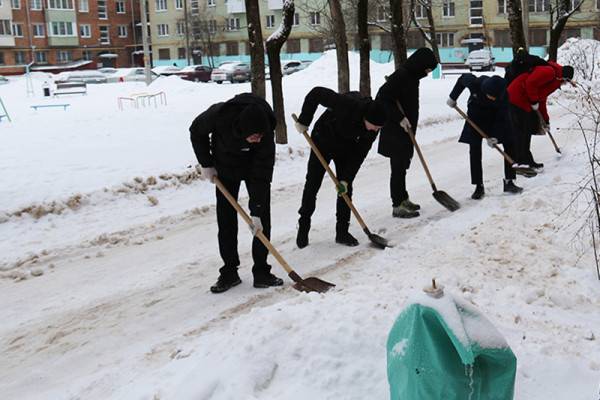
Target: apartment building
{"x":57,"y":34}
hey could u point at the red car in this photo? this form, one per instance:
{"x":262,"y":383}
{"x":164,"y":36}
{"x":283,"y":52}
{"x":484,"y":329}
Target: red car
{"x":196,"y":73}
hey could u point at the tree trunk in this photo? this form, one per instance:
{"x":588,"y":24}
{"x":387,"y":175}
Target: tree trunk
{"x":257,"y":48}
{"x":433,"y":37}
{"x":398,"y":32}
{"x":515,"y":22}
{"x":274,"y":44}
{"x":364,"y":47}
{"x":429,"y":36}
{"x":558,"y":25}
{"x":341,"y":45}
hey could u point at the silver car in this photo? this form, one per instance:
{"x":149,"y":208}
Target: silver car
{"x":232,"y":71}
{"x":82,"y":76}
{"x":130,"y":75}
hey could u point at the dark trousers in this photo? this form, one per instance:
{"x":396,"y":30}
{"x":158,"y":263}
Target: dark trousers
{"x":475,"y":157}
{"x":227,"y":221}
{"x":524,"y":124}
{"x":314,"y":178}
{"x":398,"y":180}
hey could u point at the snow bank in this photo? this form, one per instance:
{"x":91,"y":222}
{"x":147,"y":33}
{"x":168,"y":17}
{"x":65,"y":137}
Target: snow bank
{"x":583,"y":55}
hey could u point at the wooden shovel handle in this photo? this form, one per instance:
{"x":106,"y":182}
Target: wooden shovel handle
{"x":545,"y":127}
{"x":335,"y":180}
{"x":260,"y":235}
{"x":483,"y":134}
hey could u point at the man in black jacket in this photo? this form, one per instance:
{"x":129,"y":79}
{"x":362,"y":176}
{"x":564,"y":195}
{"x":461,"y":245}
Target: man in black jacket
{"x":234,"y":140}
{"x":344,"y":133}
{"x":488,"y":108}
{"x":394,"y":143}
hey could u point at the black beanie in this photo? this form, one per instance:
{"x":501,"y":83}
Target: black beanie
{"x":251,"y":120}
{"x":494,"y":86}
{"x":568,"y":72}
{"x":375,"y":113}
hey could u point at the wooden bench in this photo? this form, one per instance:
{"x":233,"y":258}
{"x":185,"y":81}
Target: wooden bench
{"x":70,"y":88}
{"x":64,"y":106}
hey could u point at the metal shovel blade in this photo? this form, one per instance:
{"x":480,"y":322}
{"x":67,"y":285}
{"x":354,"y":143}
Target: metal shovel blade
{"x":444,"y":199}
{"x":310,"y":284}
{"x":377,"y":241}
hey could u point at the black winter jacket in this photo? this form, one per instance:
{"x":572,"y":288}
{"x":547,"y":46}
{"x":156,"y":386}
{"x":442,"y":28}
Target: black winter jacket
{"x":217,"y":143}
{"x":341,"y":127}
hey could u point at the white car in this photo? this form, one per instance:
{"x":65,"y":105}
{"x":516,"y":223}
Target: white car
{"x":288,"y":67}
{"x":224,"y":72}
{"x":87,"y":76}
{"x":130,"y":75}
{"x":481,"y":60}
{"x":166,"y":70}
{"x":3,"y":80}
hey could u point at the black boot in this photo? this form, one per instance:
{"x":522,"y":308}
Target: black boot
{"x":478,"y":193}
{"x":510,"y":187}
{"x":226,"y":282}
{"x":302,"y":236}
{"x":524,"y":170}
{"x":346,"y":239}
{"x":537,"y":167}
{"x":263,"y":281}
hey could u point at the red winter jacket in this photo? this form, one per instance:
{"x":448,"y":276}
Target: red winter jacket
{"x":535,"y":87}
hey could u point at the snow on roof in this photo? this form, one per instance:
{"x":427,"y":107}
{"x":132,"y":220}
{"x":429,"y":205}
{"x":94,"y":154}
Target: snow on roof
{"x":71,"y":65}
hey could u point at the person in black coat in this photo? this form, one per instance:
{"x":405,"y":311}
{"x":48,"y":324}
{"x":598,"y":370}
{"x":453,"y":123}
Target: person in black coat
{"x":235,"y":141}
{"x":488,"y":108}
{"x":344,"y":133}
{"x":394,"y":143}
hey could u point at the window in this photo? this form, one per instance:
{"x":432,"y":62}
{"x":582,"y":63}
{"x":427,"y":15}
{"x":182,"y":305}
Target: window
{"x":420,"y":11}
{"x":102,"y":9}
{"x":445,"y":39}
{"x":315,"y":19}
{"x":212,"y":26}
{"x":164,"y":54}
{"x":385,"y":42}
{"x":38,"y":30}
{"x":476,"y":12}
{"x":86,"y":55}
{"x":178,"y":4}
{"x":502,"y":38}
{"x":233,"y":24}
{"x":215,"y":49}
{"x":315,"y":45}
{"x":568,"y":33}
{"x":297,"y":19}
{"x":539,"y":5}
{"x":35,"y":4}
{"x":211,"y":3}
{"x":448,"y":8}
{"x":502,"y":7}
{"x":85,"y":31}
{"x":16,"y":4}
{"x":382,"y":13}
{"x":122,"y":31}
{"x":597,"y":5}
{"x":104,"y":34}
{"x":180,"y":28}
{"x":292,"y":46}
{"x":120,"y":7}
{"x":195,"y":7}
{"x":537,"y":37}
{"x":41,"y":57}
{"x":270,"y":21}
{"x":232,"y":48}
{"x":61,"y":28}
{"x":161,"y":5}
{"x":63,"y":56}
{"x":163,"y":30}
{"x":84,"y":6}
{"x":181,"y":53}
{"x":5,"y":27}
{"x":19,"y":57}
{"x":1,"y":58}
{"x":17,"y":30}
{"x":60,"y":4}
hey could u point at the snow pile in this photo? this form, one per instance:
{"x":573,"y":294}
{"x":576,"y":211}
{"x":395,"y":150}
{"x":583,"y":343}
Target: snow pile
{"x":583,"y":55}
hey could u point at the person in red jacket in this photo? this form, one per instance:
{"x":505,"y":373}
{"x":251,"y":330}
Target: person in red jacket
{"x":527,"y":95}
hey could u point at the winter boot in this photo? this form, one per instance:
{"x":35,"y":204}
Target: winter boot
{"x":537,"y":167}
{"x":226,"y":282}
{"x":346,"y":239}
{"x":410,"y":205}
{"x":302,"y":236}
{"x":402,"y":211}
{"x":478,"y":193}
{"x":510,"y":187}
{"x":263,"y":281}
{"x":524,"y":170}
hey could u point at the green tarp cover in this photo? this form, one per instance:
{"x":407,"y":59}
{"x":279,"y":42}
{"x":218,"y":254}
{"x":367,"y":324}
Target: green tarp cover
{"x":445,"y":349}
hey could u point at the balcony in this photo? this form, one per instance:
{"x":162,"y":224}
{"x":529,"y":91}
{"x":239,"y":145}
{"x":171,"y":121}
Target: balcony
{"x":236,"y":6}
{"x":275,"y":4}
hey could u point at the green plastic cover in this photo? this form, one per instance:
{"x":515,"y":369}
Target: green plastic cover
{"x":445,"y":349}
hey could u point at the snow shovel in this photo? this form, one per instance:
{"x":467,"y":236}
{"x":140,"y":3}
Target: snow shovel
{"x":304,"y":285}
{"x":524,"y":171}
{"x":377,"y":240}
{"x":545,"y":128}
{"x":442,"y":197}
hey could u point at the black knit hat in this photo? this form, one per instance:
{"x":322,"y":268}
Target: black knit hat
{"x":251,"y":120}
{"x":568,"y":72}
{"x":494,"y":86}
{"x":376,"y":113}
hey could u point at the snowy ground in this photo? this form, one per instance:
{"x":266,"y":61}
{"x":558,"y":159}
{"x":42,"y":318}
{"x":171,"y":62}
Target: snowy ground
{"x":107,"y":295}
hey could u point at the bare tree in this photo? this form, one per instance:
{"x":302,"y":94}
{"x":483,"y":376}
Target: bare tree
{"x":202,"y":38}
{"x":341,"y":45}
{"x":364,"y":47}
{"x":274,"y":44}
{"x":559,"y":15}
{"x":515,"y":22}
{"x":429,"y":35}
{"x":399,"y":29}
{"x":257,"y":48}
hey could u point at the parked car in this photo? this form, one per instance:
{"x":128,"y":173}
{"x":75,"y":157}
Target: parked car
{"x":232,"y":71}
{"x":86,"y":76}
{"x":107,"y":70}
{"x":288,"y":67}
{"x":196,"y":73}
{"x":481,"y":60}
{"x":3,"y":80}
{"x":130,"y":75}
{"x":166,"y":70}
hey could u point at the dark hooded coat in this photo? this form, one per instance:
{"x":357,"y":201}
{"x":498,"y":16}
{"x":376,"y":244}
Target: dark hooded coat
{"x":403,"y":86}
